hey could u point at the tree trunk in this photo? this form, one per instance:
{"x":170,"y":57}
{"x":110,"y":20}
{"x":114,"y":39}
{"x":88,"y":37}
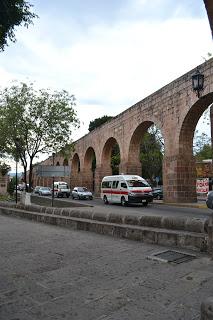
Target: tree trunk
{"x":30,"y":176}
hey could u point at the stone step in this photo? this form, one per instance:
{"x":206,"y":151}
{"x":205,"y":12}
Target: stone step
{"x":148,"y":229}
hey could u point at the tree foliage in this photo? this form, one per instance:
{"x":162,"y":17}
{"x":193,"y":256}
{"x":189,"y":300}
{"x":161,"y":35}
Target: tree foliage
{"x":13,"y":13}
{"x":115,"y":159}
{"x":11,"y":186}
{"x":34,"y":122}
{"x":98,"y":122}
{"x":200,"y":141}
{"x":4,"y":168}
{"x":151,"y":156}
{"x":204,"y":153}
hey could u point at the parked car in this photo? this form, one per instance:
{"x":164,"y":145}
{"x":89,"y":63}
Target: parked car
{"x":81,"y":193}
{"x":36,"y":189}
{"x":157,"y":193}
{"x":209,"y":200}
{"x":45,"y":191}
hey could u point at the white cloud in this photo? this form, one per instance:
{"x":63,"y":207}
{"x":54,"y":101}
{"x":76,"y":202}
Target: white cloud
{"x":114,"y":64}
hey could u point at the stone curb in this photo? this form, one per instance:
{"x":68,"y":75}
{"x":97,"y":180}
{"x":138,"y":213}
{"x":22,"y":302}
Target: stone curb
{"x":149,"y":229}
{"x":198,"y":225}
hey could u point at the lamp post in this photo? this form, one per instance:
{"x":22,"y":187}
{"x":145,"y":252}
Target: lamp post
{"x":16,"y":180}
{"x":53,"y":163}
{"x":197,"y":82}
{"x":17,"y":146}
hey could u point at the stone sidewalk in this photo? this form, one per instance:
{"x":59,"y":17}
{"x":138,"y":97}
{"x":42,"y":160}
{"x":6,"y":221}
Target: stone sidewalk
{"x":52,"y":273}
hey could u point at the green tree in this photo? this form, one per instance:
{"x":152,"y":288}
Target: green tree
{"x":13,"y":13}
{"x":4,"y":168}
{"x":34,"y":122}
{"x":151,"y":156}
{"x":204,"y":153}
{"x":11,"y":186}
{"x":115,"y":159}
{"x":98,"y":122}
{"x":201,"y":142}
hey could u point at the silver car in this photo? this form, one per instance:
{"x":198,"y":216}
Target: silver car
{"x":81,"y":193}
{"x":45,"y":191}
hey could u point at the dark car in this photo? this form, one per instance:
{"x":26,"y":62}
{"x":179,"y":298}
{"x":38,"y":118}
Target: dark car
{"x":157,"y":193}
{"x":209,"y":200}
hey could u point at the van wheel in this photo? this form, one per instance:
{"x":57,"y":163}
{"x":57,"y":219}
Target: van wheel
{"x":105,"y":200}
{"x":145,"y":204}
{"x":123,"y":202}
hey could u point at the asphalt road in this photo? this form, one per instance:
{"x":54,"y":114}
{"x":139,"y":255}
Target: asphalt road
{"x":155,"y":208}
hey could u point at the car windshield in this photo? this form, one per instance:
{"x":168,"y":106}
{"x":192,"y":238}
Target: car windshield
{"x":45,"y":188}
{"x":137,"y":183}
{"x":82,"y":189}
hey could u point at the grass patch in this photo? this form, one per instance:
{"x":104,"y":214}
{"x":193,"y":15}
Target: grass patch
{"x":6,"y":197}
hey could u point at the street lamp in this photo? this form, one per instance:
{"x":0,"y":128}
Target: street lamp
{"x":53,"y":163}
{"x":16,"y":180}
{"x":17,"y":146}
{"x":197,"y":82}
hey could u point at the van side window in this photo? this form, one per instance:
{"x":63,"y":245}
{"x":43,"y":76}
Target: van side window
{"x":115,"y":184}
{"x":106,"y":184}
{"x":123,"y":185}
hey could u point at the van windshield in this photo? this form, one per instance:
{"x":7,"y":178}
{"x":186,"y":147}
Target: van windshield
{"x":63,"y":186}
{"x":137,"y":183}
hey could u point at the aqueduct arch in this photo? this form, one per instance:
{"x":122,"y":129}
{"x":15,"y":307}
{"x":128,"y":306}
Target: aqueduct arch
{"x":76,"y":170}
{"x":134,"y":164}
{"x":175,"y":109}
{"x":89,"y":169}
{"x":106,"y":155}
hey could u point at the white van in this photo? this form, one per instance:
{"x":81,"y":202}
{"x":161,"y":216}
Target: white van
{"x":126,"y":189}
{"x":61,"y":189}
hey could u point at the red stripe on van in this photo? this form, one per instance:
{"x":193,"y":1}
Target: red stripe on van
{"x":115,"y":191}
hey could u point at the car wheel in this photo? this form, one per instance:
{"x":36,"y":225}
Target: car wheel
{"x":123,"y":202}
{"x":105,"y":200}
{"x":91,"y":197}
{"x":73,"y":197}
{"x":158,"y":197}
{"x":67,"y":195}
{"x":78,"y":197}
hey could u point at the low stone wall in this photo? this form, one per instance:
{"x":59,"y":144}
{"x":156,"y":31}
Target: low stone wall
{"x":178,"y":232}
{"x":198,"y":225}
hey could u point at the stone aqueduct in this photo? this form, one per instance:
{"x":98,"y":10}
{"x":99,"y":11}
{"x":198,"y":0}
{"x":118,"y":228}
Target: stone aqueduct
{"x":175,"y":110}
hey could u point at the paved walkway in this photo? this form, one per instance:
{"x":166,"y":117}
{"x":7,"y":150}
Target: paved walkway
{"x":52,"y":273}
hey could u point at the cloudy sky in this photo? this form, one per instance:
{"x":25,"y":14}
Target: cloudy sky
{"x":108,"y":53}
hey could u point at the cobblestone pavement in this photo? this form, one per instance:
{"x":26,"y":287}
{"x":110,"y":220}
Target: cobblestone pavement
{"x":48,"y":272}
